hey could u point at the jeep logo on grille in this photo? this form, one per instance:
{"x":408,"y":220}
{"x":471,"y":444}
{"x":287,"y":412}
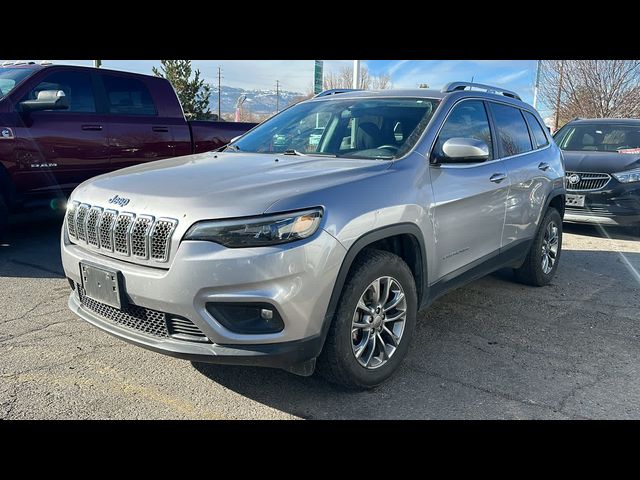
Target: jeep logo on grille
{"x":574,"y":179}
{"x":119,"y":200}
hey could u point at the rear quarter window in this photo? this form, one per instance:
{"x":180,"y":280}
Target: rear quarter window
{"x":128,"y":96}
{"x":539,"y":137}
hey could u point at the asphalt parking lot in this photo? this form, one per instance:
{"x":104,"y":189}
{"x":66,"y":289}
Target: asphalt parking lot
{"x":493,"y":349}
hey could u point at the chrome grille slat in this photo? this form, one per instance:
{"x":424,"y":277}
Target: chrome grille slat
{"x":589,"y":181}
{"x":140,"y":236}
{"x":161,"y":237}
{"x":93,"y":217}
{"x":80,"y":218}
{"x":143,"y":236}
{"x":104,"y":229}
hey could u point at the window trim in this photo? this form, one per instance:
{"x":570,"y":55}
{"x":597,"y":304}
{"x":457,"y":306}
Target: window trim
{"x":496,"y":158}
{"x":533,"y":138}
{"x":106,"y":104}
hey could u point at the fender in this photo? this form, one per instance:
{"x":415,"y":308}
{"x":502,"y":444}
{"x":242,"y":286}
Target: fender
{"x":358,"y":246}
{"x":558,"y":191}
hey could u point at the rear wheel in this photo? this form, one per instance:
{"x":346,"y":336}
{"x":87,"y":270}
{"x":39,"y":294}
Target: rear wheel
{"x":542,"y":260}
{"x":374,"y":322}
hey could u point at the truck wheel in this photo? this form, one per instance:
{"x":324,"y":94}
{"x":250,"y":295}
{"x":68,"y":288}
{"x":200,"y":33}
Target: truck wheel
{"x":542,"y":260}
{"x":374,"y":322}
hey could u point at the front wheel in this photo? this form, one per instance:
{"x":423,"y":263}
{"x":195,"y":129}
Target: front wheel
{"x":542,"y":260}
{"x":374,"y":322}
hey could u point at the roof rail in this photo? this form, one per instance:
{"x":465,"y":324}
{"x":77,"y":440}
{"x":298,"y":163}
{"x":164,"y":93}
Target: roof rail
{"x":17,"y":62}
{"x":455,"y":86}
{"x":334,"y":91}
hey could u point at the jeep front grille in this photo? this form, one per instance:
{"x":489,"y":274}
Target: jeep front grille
{"x":144,"y":320}
{"x":123,"y":233}
{"x":588,"y":181}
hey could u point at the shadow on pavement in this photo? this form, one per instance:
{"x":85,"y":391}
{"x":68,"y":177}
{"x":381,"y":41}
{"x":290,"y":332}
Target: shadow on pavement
{"x":491,"y":349}
{"x":31,"y":248}
{"x":601,"y":231}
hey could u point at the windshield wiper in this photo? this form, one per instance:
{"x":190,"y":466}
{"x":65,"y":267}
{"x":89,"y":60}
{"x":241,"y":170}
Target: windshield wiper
{"x":291,"y":151}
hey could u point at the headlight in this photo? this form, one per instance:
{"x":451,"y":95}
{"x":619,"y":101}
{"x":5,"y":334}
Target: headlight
{"x":258,"y":231}
{"x":628,"y":176}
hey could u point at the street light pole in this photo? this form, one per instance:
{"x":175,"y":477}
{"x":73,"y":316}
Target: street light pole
{"x":97,"y":63}
{"x":356,"y":74}
{"x":537,"y":84}
{"x":219,"y":89}
{"x":277,"y":96}
{"x":557,"y":119}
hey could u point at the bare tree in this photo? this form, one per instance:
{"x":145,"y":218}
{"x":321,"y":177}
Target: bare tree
{"x":344,"y":79}
{"x":591,"y":88}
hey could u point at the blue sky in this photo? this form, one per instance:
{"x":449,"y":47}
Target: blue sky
{"x":297,"y":75}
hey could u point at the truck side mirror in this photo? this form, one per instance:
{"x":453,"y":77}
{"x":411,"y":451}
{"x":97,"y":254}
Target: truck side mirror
{"x":47,"y":100}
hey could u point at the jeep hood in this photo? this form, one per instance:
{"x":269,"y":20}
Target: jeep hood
{"x":599,"y":162}
{"x":220,"y":185}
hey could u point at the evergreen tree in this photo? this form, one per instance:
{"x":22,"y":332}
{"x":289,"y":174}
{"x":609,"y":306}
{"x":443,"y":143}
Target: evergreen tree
{"x":193,"y":93}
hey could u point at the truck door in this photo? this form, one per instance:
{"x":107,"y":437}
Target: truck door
{"x":136,"y":132}
{"x":57,"y":149}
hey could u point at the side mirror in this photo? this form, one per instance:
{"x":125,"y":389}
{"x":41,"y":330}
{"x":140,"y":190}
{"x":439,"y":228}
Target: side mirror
{"x":235,"y":138}
{"x":465,"y":150}
{"x":47,"y":100}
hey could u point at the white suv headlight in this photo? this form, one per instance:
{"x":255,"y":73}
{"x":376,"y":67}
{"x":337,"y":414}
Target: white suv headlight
{"x":259,"y":231}
{"x":628,"y":176}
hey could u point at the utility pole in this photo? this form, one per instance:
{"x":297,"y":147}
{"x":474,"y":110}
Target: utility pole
{"x":97,"y":63}
{"x":557,"y":119}
{"x":537,"y":84}
{"x":356,"y":74}
{"x":219,"y":89}
{"x":277,"y":96}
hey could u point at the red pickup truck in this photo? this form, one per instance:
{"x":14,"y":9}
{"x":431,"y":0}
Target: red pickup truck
{"x":62,"y":124}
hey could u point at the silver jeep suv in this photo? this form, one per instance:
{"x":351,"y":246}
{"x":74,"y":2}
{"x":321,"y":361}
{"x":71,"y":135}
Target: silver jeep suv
{"x":319,"y":234}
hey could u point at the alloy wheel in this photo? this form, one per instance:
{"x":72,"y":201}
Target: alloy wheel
{"x":549,"y":248}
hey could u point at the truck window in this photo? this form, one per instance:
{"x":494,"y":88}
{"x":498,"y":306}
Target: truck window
{"x":128,"y":96}
{"x":75,"y":85}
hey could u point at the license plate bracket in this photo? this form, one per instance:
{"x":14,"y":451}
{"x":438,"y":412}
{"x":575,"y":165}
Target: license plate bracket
{"x":102,"y":284}
{"x":574,"y":200}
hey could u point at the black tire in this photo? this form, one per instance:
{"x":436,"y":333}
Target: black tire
{"x":337,"y":362}
{"x":531,"y":272}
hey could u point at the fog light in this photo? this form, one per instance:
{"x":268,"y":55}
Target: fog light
{"x":248,"y":318}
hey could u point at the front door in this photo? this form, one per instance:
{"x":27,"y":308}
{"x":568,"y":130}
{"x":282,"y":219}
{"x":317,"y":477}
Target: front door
{"x":470,"y":198}
{"x":57,"y":149}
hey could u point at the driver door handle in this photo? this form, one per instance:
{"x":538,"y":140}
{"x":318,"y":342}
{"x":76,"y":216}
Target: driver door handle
{"x":543,"y":166}
{"x":497,"y":177}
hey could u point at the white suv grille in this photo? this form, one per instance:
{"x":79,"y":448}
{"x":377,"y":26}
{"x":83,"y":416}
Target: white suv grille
{"x":124,"y":233}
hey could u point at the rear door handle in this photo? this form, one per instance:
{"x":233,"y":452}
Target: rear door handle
{"x":543,"y":166}
{"x":92,"y":127}
{"x":497,"y":177}
{"x":160,"y":129}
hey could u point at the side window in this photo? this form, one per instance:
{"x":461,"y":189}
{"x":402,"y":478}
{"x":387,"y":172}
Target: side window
{"x":75,"y":85}
{"x":512,"y":130}
{"x":468,"y":119}
{"x":537,"y":130}
{"x":128,"y":96}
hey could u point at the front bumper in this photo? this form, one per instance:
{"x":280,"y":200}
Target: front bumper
{"x":297,"y":279}
{"x":617,"y":204}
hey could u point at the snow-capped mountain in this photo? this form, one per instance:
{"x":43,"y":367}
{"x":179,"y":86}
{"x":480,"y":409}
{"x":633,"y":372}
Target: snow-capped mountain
{"x":258,"y":101}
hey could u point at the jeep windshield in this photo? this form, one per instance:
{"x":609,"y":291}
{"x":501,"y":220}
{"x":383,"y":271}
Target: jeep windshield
{"x":600,"y":138}
{"x":370,"y":128}
{"x":10,"y":77}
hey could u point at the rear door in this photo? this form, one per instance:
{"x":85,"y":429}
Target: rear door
{"x":470,"y":198}
{"x":57,"y":149}
{"x":526,"y":162}
{"x":136,"y":132}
